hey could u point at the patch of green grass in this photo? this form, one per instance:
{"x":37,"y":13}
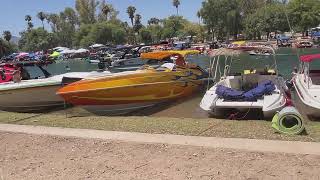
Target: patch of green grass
{"x":254,"y":129}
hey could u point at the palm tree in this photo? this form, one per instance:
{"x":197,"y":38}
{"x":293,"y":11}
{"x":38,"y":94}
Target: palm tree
{"x":137,"y":23}
{"x":30,"y":25}
{"x":199,"y":16}
{"x":42,"y":17}
{"x":2,"y":48}
{"x":53,"y":19}
{"x":106,"y":10}
{"x":154,"y":21}
{"x":176,"y":3}
{"x":28,"y":19}
{"x":7,"y":35}
{"x":131,"y":10}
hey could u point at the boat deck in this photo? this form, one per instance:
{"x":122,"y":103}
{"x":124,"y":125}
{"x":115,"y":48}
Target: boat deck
{"x":243,"y":104}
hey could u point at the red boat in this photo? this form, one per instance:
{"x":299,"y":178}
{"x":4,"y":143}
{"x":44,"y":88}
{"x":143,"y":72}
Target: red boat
{"x":6,"y":73}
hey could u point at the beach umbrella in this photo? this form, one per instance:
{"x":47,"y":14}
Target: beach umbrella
{"x":22,"y":55}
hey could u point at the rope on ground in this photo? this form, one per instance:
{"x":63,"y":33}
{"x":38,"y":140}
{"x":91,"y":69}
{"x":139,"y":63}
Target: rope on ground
{"x":210,"y":127}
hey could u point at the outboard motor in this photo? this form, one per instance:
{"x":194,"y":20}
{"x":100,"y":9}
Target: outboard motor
{"x":289,"y":84}
{"x":101,"y":66}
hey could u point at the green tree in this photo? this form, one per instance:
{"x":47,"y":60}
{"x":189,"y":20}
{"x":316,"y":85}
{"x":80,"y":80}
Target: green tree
{"x":107,"y":12}
{"x":304,"y":14}
{"x":222,"y":17}
{"x":65,"y":27}
{"x":153,"y":21}
{"x":156,"y":32}
{"x":145,"y":36}
{"x":131,"y":10}
{"x":267,"y":19}
{"x":28,"y":19}
{"x":172,"y":25}
{"x":42,"y":16}
{"x":71,"y":16}
{"x":102,"y":32}
{"x":7,"y":35}
{"x":53,"y":21}
{"x":191,"y":29}
{"x":81,"y":34}
{"x":6,"y":48}
{"x":137,"y":23}
{"x":87,"y":10}
{"x":36,"y":40}
{"x":176,"y":4}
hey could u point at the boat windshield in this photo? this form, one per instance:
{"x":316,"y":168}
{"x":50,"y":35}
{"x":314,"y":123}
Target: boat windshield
{"x":167,"y":66}
{"x":34,"y":72}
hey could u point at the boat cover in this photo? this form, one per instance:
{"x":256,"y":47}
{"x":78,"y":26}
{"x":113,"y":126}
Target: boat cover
{"x":263,"y":88}
{"x":309,"y":58}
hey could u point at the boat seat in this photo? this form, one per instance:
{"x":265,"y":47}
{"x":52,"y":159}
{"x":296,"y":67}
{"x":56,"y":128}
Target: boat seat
{"x":249,"y":81}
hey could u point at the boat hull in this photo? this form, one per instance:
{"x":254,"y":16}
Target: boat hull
{"x":31,"y":99}
{"x":311,"y":106}
{"x":133,"y":91}
{"x":268,"y":104}
{"x":120,"y":109}
{"x":38,"y":94}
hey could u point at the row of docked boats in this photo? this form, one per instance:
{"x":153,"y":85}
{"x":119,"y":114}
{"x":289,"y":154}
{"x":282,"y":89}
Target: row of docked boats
{"x":109,"y":93}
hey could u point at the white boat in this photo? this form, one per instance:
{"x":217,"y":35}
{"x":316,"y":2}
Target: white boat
{"x":307,"y":85}
{"x":254,"y":53}
{"x":269,"y":103}
{"x":38,"y":94}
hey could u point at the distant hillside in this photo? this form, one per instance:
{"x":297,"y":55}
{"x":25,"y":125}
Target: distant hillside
{"x":15,"y":39}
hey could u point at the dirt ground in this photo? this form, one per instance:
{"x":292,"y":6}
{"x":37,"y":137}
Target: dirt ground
{"x":47,"y":157}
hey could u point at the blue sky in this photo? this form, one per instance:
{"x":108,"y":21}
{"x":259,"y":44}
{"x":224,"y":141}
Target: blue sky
{"x":12,"y":12}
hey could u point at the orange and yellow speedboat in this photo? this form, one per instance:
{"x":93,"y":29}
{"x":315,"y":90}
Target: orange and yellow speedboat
{"x":128,"y":91}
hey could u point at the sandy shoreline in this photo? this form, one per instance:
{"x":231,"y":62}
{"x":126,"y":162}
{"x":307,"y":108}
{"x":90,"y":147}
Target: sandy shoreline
{"x":49,"y":157}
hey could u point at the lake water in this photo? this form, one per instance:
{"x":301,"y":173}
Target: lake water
{"x":286,"y":58}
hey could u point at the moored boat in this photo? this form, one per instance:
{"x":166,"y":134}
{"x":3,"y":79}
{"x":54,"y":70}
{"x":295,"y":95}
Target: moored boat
{"x":307,"y":85}
{"x":125,"y":92}
{"x":262,"y":90}
{"x":23,"y":94}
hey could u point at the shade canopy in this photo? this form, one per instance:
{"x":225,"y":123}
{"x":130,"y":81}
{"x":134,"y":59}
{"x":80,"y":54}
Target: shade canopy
{"x":239,"y":42}
{"x":68,"y":51}
{"x":309,"y":58}
{"x":81,"y":50}
{"x":97,"y":46}
{"x":164,"y":54}
{"x":55,"y":54}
